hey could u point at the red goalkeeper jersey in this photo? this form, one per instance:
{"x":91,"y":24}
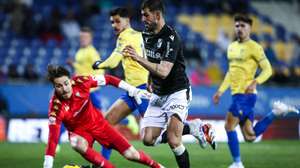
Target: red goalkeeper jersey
{"x":77,"y":112}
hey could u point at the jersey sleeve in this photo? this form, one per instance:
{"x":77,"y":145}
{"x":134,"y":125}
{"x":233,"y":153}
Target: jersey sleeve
{"x":264,"y":64}
{"x":121,"y":43}
{"x":54,"y":124}
{"x":112,"y":61}
{"x":171,"y":48}
{"x":259,"y":54}
{"x":225,"y":84}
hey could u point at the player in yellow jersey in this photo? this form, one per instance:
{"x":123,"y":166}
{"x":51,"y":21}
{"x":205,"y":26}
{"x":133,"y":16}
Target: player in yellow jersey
{"x":245,"y":56}
{"x":135,"y":74}
{"x":84,"y":59}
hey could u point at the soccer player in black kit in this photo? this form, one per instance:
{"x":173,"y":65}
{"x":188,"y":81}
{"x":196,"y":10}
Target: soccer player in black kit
{"x":168,"y":107}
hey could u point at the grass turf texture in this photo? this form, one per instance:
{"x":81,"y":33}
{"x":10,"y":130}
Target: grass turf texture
{"x":266,"y":154}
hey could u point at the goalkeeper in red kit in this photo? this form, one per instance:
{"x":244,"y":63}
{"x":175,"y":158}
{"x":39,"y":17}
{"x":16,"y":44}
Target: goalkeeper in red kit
{"x":72,"y":106}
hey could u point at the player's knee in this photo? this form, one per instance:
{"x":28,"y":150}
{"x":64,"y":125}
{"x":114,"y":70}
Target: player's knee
{"x":131,"y":154}
{"x":78,"y":144}
{"x":249,"y":138}
{"x":174,"y":142}
{"x":148,"y":141}
{"x":229,"y":127}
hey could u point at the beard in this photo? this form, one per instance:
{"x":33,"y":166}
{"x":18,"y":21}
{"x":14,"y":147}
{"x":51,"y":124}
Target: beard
{"x":150,"y":27}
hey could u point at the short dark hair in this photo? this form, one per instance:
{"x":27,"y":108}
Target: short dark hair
{"x":86,"y":29}
{"x":122,"y":12}
{"x":153,"y":5}
{"x":244,"y":18}
{"x":56,"y":71}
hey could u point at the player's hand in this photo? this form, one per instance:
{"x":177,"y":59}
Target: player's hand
{"x":96,"y":64}
{"x":216,"y":97}
{"x":129,"y":51}
{"x":48,"y":161}
{"x":139,"y":94}
{"x":251,"y":87}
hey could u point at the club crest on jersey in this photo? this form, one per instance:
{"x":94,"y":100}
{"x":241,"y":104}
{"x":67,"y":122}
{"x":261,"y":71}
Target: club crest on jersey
{"x":77,"y":94}
{"x":172,"y":37}
{"x":67,"y":108}
{"x":159,"y":43}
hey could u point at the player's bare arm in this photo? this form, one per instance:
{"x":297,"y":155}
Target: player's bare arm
{"x":162,"y":70}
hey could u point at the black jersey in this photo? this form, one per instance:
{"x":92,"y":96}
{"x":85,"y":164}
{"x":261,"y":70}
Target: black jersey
{"x":166,"y":46}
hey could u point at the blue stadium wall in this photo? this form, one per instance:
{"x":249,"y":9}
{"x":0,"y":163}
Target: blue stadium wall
{"x":32,"y":100}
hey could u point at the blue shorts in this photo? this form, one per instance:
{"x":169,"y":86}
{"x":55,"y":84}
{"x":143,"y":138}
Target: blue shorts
{"x":132,"y":104}
{"x":242,"y":106}
{"x":96,"y":99}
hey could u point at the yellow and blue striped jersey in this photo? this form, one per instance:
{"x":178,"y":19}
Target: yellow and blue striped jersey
{"x":84,"y":59}
{"x":135,"y":74}
{"x":244,"y":59}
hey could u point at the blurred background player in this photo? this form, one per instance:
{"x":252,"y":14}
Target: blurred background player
{"x":168,"y":107}
{"x":245,"y":56}
{"x":134,"y":73}
{"x":84,"y":59}
{"x":71,"y":105}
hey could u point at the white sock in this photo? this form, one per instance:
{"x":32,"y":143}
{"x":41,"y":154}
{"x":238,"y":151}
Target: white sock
{"x":179,"y":150}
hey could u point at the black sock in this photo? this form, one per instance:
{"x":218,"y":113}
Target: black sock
{"x":186,"y":130}
{"x":183,"y":160}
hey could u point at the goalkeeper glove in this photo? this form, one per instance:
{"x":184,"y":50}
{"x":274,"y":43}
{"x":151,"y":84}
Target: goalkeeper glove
{"x":96,"y":64}
{"x":139,"y":94}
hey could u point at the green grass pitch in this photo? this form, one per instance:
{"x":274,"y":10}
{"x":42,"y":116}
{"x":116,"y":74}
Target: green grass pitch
{"x":266,"y":154}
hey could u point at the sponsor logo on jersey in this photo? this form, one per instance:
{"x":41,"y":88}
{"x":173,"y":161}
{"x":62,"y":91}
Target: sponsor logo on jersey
{"x":152,"y":54}
{"x":177,"y":106}
{"x":159,"y":43}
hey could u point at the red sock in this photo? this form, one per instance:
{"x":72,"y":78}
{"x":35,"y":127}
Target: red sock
{"x":146,"y":160}
{"x":95,"y":158}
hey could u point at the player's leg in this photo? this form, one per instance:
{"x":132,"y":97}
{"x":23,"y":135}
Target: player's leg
{"x":150,"y":135}
{"x":139,"y":156}
{"x":82,"y":143}
{"x":120,"y":112}
{"x":278,"y":109}
{"x":233,"y":143}
{"x":248,"y":131}
{"x":121,"y":144}
{"x":116,"y":113}
{"x":203,"y":132}
{"x":174,"y":131}
{"x":152,"y":124}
